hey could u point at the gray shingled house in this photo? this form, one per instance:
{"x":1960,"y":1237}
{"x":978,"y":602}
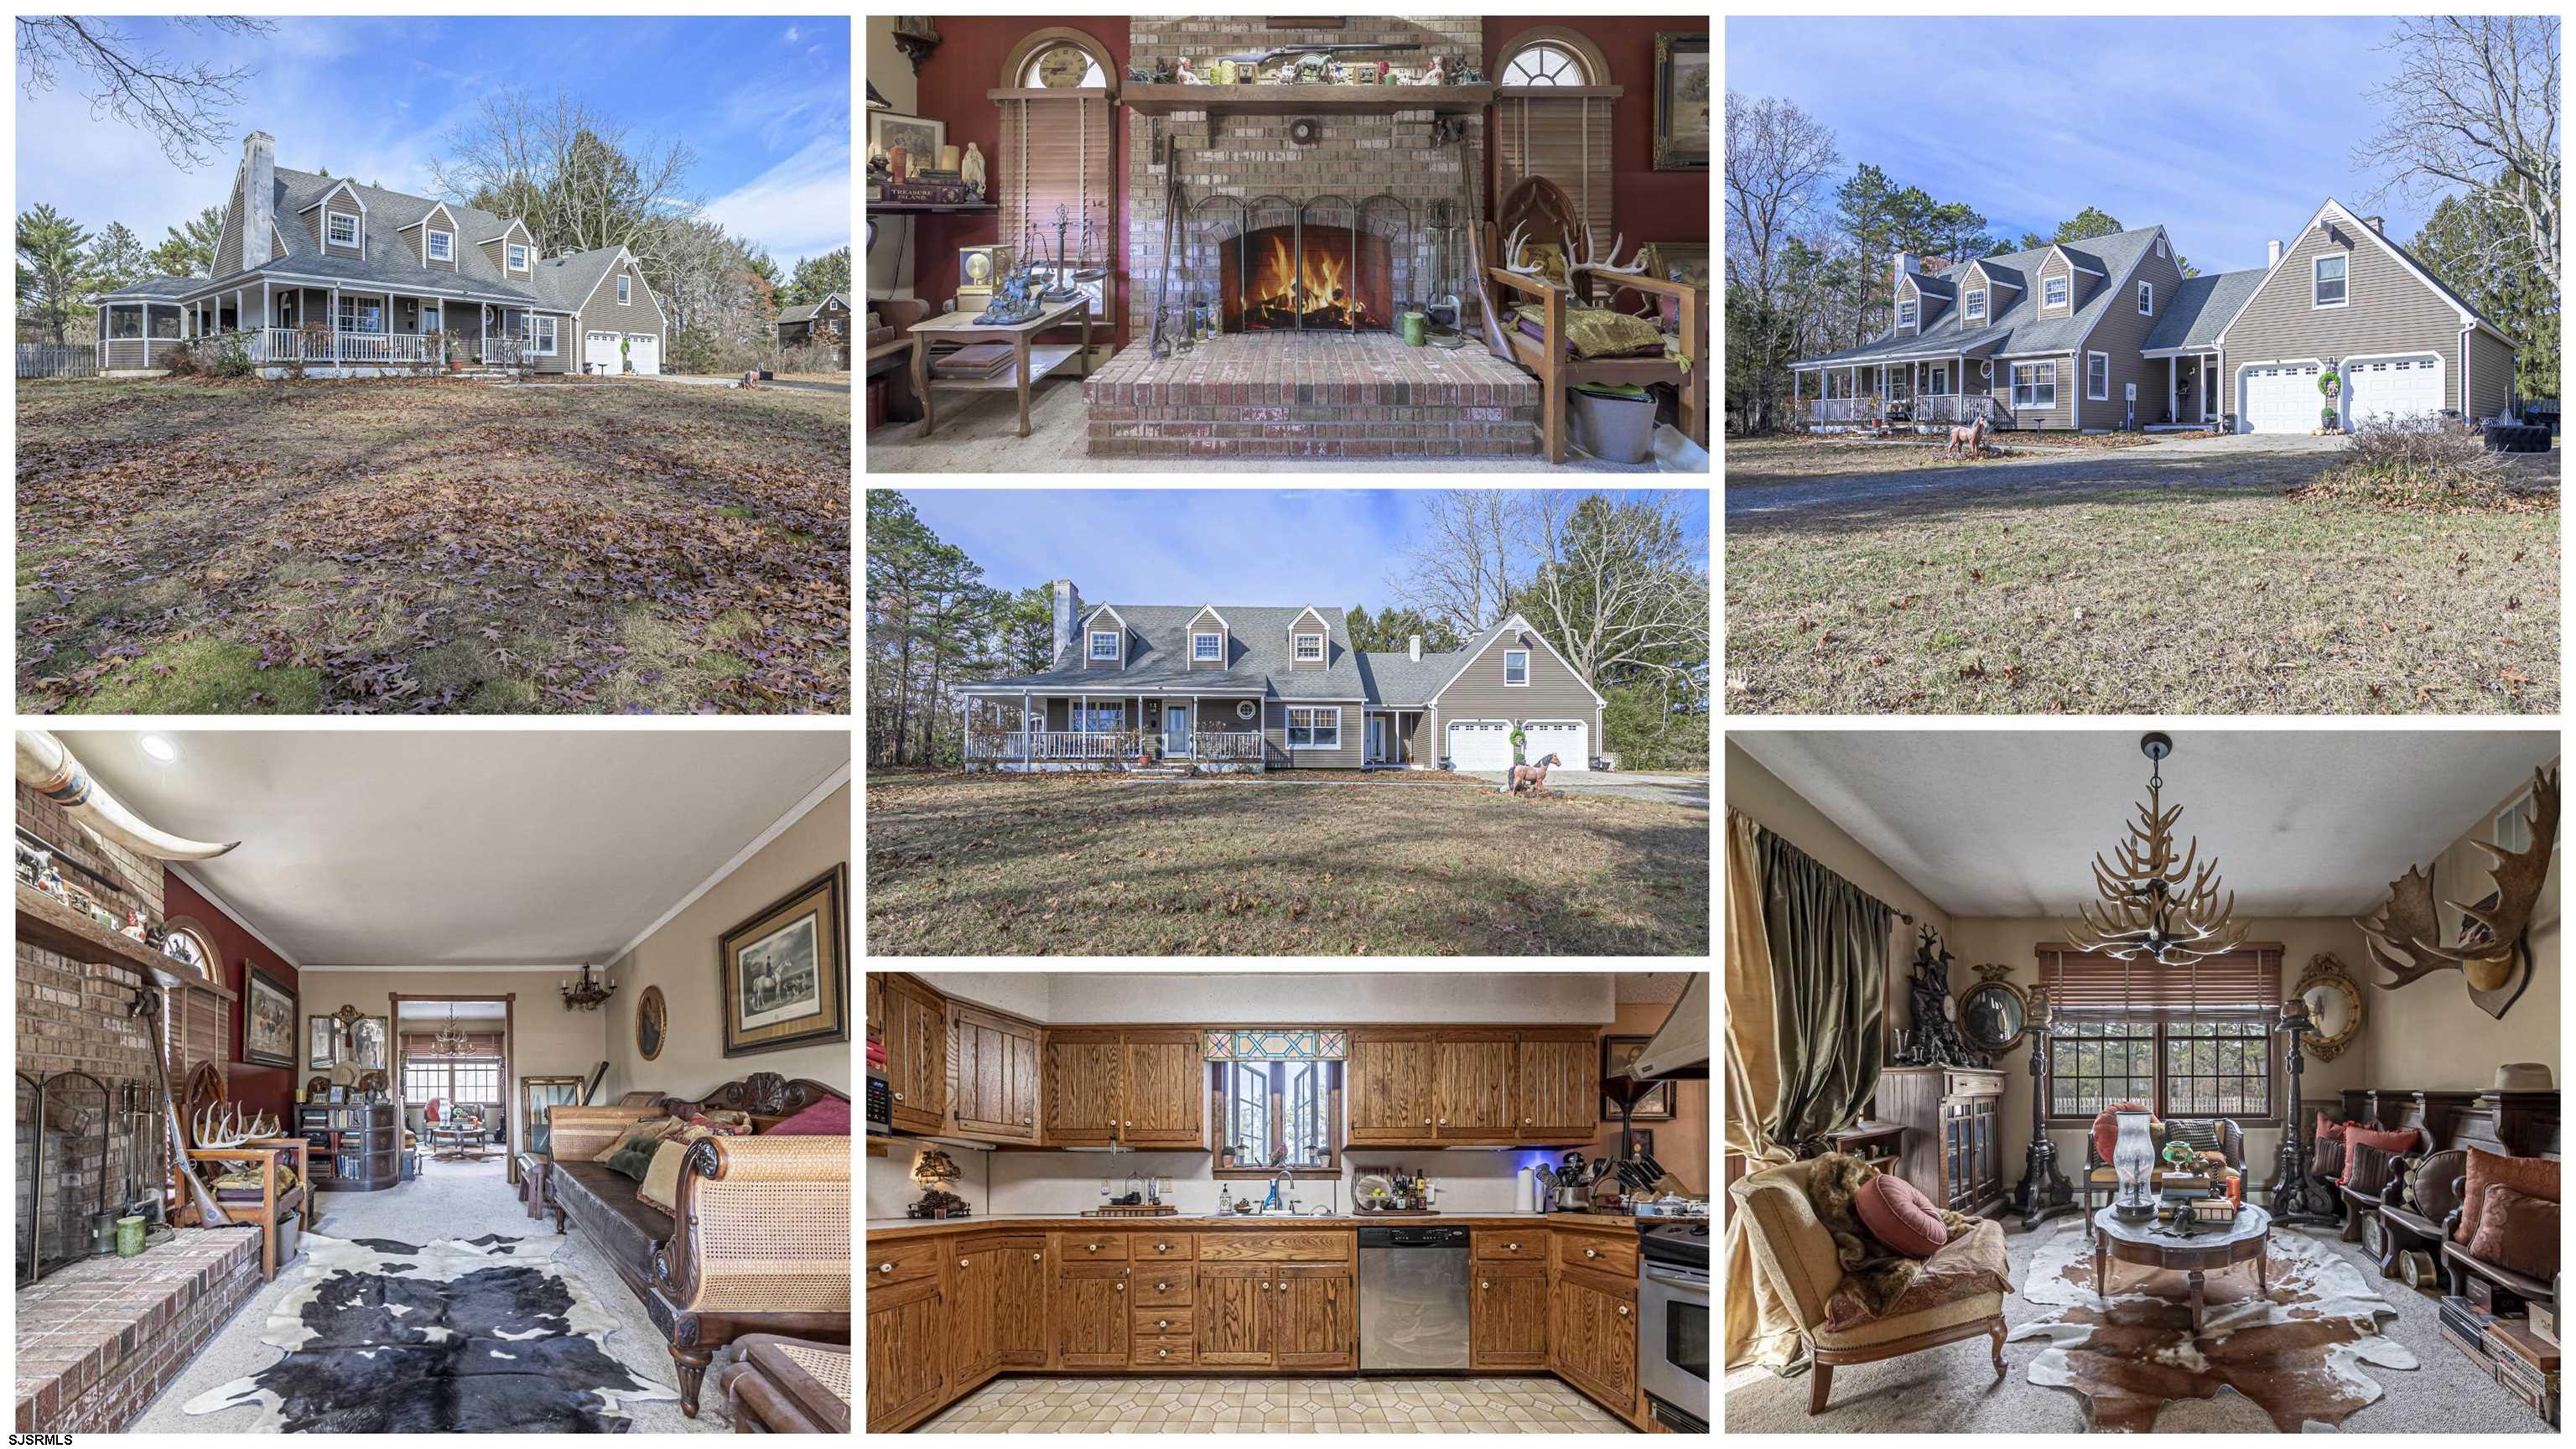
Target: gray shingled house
{"x":1243,"y":687}
{"x":817,"y":324}
{"x":384,"y":271}
{"x":2107,"y":333}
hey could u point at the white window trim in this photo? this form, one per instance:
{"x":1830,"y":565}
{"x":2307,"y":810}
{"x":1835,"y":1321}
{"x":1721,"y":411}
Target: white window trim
{"x":2089,"y":394}
{"x":1209,"y":637}
{"x":2315,"y":281}
{"x":1302,"y":656}
{"x":436,"y":254}
{"x":625,"y":290}
{"x":2035,"y":369}
{"x":1097,"y":635}
{"x":331,"y":228}
{"x":1976,"y":306}
{"x":1507,"y":669}
{"x":542,"y":335}
{"x":2065,"y":283}
{"x":514,"y":256}
{"x":2160,"y":246}
{"x":1313,"y":714}
{"x":1904,"y":314}
{"x":2146,"y":299}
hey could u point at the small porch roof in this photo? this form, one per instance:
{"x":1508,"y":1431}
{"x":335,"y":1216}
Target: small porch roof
{"x":1056,"y":686}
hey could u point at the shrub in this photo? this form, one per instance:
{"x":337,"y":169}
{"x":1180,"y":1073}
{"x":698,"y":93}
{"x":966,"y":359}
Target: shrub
{"x":181,"y":360}
{"x":231,"y":358}
{"x":2424,"y":461}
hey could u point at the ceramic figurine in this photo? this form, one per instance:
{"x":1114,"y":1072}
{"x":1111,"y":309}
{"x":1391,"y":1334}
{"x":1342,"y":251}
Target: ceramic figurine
{"x":1136,"y":75}
{"x":1438,"y":75}
{"x":898,"y":163}
{"x":1469,"y":74}
{"x":1164,"y":73}
{"x":1382,"y":69}
{"x":1189,"y":77}
{"x":970,"y":167}
{"x":1337,"y":73}
{"x":134,"y":927}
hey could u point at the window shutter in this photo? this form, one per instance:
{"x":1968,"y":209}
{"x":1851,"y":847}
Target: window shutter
{"x":197,"y":1031}
{"x":2241,"y":982}
{"x":1565,"y":139}
{"x":1055,"y":152}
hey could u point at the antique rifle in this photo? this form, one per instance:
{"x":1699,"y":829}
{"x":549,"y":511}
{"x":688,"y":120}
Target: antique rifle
{"x":1265,"y":57}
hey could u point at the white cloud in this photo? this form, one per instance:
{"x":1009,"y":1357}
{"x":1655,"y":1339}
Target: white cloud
{"x":793,"y":35}
{"x":797,"y":208}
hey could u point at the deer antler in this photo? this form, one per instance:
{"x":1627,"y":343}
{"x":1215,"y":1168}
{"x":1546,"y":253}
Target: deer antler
{"x":1608,"y":263}
{"x":2398,"y":937}
{"x":220,"y":1127}
{"x":2518,"y":876}
{"x":1513,"y":245}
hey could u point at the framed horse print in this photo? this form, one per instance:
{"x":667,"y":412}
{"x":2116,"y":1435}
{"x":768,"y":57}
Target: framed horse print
{"x":783,"y":976}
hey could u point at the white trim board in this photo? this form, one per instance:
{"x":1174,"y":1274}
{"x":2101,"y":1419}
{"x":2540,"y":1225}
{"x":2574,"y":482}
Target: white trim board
{"x":1494,"y":637}
{"x":760,"y":842}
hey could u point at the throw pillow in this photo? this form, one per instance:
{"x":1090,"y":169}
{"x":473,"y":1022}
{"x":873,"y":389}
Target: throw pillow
{"x":652,"y":1127}
{"x":2518,"y":1231}
{"x":2328,"y":1162}
{"x":1900,"y":1216}
{"x":661,"y":1181}
{"x":2106,"y":1128}
{"x":2531,"y":1176}
{"x":632,"y":1159}
{"x":829,"y":1117}
{"x":2329,"y":1131}
{"x":712,"y":1123}
{"x":2366,"y":1168}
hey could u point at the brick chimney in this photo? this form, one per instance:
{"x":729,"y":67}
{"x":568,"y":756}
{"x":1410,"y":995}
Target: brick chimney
{"x":1905,"y":262}
{"x":259,"y":194}
{"x":2274,"y":259}
{"x":1068,"y":618}
{"x":2373,"y":223}
{"x":1413,"y":647}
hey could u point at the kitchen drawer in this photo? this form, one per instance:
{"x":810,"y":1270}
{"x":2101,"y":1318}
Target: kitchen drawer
{"x":1162,"y":1287}
{"x":1164,"y":1322}
{"x":905,"y":1260}
{"x":1091,"y":1247}
{"x":1245,"y":1247}
{"x":1176,"y":1352}
{"x":1507,"y":1244}
{"x":1161,"y":1247}
{"x":1600,"y":1252}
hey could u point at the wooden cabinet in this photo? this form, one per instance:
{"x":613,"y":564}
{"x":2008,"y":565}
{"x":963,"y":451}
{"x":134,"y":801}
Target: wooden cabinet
{"x":1611,"y":1253}
{"x":1476,"y":1088}
{"x":1511,"y":1245}
{"x":907,"y":1351}
{"x":876,"y":1006}
{"x":1315,"y":1320}
{"x":1559,"y":1091}
{"x":975,"y":1308}
{"x":997,"y":1076}
{"x":1592,"y":1339}
{"x":1507,"y":1314}
{"x":1952,"y":1148}
{"x":1391,"y":1086}
{"x":1020,"y":1294}
{"x":1082,"y":1098}
{"x":1165,"y":1087}
{"x":1091,"y":1315}
{"x":916,"y":1042}
{"x":1233,"y":1312}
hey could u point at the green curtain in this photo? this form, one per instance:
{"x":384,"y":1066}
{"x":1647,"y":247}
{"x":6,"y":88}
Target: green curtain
{"x":1829,"y":982}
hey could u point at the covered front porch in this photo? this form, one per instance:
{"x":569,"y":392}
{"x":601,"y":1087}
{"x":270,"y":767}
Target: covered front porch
{"x":275,"y":323}
{"x":1391,"y":736}
{"x":1030,"y":731}
{"x":2190,"y":384}
{"x":1923,"y":394}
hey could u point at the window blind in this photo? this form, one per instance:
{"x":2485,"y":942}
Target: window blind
{"x":1056,"y":152}
{"x":1567,"y":140}
{"x":2248,"y":980}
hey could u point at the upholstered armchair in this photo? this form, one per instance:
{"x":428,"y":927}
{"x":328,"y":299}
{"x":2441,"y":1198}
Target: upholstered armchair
{"x":1795,"y":1254}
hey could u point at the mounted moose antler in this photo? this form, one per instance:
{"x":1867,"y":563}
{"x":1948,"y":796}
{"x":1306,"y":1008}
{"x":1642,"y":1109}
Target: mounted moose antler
{"x":2405,"y":937}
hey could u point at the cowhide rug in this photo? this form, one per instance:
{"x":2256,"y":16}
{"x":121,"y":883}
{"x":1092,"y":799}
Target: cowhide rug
{"x":457,"y":1336}
{"x":2296,"y":1354}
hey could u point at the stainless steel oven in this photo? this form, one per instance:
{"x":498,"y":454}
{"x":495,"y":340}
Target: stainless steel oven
{"x":1672,"y":1302}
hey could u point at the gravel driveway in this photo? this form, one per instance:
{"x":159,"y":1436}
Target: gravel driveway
{"x":1690,"y":790}
{"x":2254,"y":460}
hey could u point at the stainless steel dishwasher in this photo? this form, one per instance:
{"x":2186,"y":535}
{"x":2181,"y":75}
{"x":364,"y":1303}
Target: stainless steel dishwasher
{"x":1413,"y":1298}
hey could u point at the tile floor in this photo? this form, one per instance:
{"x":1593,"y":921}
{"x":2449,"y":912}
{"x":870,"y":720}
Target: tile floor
{"x":1274,"y":1406}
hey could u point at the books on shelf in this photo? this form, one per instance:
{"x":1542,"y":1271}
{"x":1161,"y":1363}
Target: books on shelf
{"x":982,"y":360}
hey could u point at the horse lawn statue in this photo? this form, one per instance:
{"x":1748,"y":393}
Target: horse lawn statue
{"x":1532,"y":776}
{"x":1969,"y":441}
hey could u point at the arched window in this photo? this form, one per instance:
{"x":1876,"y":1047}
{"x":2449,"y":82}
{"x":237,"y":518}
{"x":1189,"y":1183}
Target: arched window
{"x":1058,"y":149}
{"x":1544,"y":64}
{"x":1066,"y":66}
{"x":1555,"y":104}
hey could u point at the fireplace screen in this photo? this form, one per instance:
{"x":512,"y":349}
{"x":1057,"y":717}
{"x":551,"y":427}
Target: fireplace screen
{"x":1326,"y":265}
{"x":66,"y":1163}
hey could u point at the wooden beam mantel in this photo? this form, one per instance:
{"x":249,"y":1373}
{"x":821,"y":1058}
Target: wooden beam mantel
{"x":49,"y":925}
{"x":1304,"y":100}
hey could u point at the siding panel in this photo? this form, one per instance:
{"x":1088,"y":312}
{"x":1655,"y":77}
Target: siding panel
{"x":2490,"y":375}
{"x":2121,"y":332}
{"x":2390,"y":311}
{"x":602,"y":314}
{"x":1555,"y":691}
{"x":1354,"y":740}
{"x":2069,"y":378}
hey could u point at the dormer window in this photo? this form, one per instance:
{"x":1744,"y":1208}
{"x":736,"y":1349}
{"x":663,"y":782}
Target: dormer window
{"x":625,"y":289}
{"x":1904,"y":314}
{"x":2146,"y":299}
{"x":2331,"y":271}
{"x":341,"y":227}
{"x":1104,"y":645}
{"x":517,"y":255}
{"x":1976,"y":306}
{"x":442,"y":246}
{"x":1310,"y":647}
{"x":2053,"y":292}
{"x":1207,"y":648}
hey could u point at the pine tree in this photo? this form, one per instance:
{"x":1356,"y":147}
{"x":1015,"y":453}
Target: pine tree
{"x":55,"y":271}
{"x":116,"y":257}
{"x":190,"y":249}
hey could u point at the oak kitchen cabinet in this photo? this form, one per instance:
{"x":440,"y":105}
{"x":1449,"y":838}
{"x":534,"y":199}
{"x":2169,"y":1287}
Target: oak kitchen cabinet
{"x":908,"y":1332}
{"x":916,"y":1043}
{"x":1592,"y":1336}
{"x":1278,"y":1300}
{"x":1476,"y":1086}
{"x":974,"y":1314}
{"x":1559,"y":1095}
{"x":1390,"y":1085}
{"x":1082,"y":1095}
{"x":1472,"y":1086}
{"x":1138,"y":1087}
{"x":998,"y":1088}
{"x":1091,"y":1314}
{"x":1507,"y":1315}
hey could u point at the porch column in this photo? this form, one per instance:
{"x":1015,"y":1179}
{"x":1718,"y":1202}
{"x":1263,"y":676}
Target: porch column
{"x":1793,"y":395}
{"x":2173,"y":410}
{"x":1028,"y":745}
{"x":334,"y":319}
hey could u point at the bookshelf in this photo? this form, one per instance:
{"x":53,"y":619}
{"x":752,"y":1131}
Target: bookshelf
{"x":355,"y":1146}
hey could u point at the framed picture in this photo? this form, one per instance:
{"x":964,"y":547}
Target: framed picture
{"x":652,"y":1023}
{"x":1640,"y":1144}
{"x":371,"y":1039}
{"x":1683,"y":262}
{"x":537,"y":1094}
{"x":1681,"y":100}
{"x":921,"y":137}
{"x":268,"y":1019}
{"x":783,"y":976}
{"x":321,"y":1042}
{"x":339,"y":1093}
{"x":1616,"y":1054}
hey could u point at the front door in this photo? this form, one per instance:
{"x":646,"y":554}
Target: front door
{"x":1377,"y":739}
{"x":1176,"y":728}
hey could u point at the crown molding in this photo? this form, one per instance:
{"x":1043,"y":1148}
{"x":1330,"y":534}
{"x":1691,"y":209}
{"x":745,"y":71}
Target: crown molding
{"x":760,"y":842}
{"x":231,"y":912}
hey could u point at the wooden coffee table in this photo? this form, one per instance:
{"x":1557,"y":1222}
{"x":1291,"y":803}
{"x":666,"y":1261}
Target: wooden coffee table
{"x":2214,"y":1248}
{"x":1027,"y":365}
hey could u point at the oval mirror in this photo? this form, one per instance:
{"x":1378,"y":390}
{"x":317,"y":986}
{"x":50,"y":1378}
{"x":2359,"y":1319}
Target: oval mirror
{"x":1993,"y":1015}
{"x":2334,"y":1004}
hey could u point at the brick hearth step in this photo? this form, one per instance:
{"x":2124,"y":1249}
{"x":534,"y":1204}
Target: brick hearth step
{"x":1309,"y":395}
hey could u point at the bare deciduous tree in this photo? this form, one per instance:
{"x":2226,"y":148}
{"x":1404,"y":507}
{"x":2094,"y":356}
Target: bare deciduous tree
{"x":1475,"y":552}
{"x":570,"y":173}
{"x":2474,"y":103}
{"x":182,"y":104}
{"x":1623,"y":593}
{"x":1777,"y":160}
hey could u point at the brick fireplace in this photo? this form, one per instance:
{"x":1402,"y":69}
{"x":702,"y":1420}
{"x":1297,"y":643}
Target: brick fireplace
{"x":1292,"y":278}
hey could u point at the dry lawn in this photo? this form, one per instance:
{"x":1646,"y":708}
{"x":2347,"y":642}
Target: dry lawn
{"x":187,"y":545}
{"x":1084,"y":865}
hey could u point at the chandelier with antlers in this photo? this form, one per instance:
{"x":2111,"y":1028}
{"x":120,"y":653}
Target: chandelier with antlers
{"x":451,"y":1042}
{"x":2154,"y":903}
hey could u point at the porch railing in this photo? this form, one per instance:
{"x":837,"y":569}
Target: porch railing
{"x":1106,"y":744}
{"x":1226,"y":744}
{"x":1833,"y":409}
{"x":1956,"y":407}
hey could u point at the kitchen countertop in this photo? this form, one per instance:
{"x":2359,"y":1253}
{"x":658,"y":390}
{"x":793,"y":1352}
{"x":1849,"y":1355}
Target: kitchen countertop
{"x":1189,"y":1222}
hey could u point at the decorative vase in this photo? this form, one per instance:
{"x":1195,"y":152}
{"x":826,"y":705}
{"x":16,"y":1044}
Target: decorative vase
{"x":1412,"y":329}
{"x":2133,"y":1157}
{"x":129,"y":1237}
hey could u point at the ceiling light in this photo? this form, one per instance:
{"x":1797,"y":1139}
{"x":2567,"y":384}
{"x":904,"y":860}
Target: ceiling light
{"x":2153,"y":902}
{"x":160,"y":748}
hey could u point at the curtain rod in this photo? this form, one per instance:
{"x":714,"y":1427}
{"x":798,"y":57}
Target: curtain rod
{"x":1838,"y":875}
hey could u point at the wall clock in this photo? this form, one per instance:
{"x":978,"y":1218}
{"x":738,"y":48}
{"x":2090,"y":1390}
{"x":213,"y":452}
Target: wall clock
{"x":652,"y":1023}
{"x":1063,"y":67}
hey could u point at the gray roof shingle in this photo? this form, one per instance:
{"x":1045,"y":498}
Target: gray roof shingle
{"x":2201,"y":306}
{"x":1158,"y":656}
{"x":1400,"y":681}
{"x":2018,"y":329}
{"x":801,"y":312}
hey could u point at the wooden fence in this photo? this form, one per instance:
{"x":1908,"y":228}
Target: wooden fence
{"x":45,"y":359}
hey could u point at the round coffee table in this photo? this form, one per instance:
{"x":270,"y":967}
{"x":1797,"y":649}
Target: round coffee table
{"x":2151,"y":1244}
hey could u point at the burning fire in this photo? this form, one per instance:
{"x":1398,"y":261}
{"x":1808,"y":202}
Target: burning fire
{"x":1319,"y":291}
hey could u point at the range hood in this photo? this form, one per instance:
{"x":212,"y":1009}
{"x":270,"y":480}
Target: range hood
{"x":1678,"y":1051}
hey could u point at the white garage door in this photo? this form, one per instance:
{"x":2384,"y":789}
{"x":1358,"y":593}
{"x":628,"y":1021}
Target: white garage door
{"x":1480,"y":744}
{"x":2388,"y":387}
{"x":2279,"y":398}
{"x":644,"y":349}
{"x":599,"y":352}
{"x":1566,"y":739}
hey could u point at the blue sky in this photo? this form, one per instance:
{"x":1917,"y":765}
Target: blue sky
{"x":765,"y":102}
{"x":2226,"y":132}
{"x":1268,"y":547}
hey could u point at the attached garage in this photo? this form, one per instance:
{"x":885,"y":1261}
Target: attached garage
{"x":644,"y":350}
{"x":599,"y":352}
{"x":1567,"y":739}
{"x":1480,"y":744}
{"x":2392,"y":387}
{"x":2279,"y":397}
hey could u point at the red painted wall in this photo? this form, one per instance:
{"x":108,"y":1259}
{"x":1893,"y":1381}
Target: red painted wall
{"x":256,"y":1088}
{"x":1649,"y":205}
{"x":953,"y":81}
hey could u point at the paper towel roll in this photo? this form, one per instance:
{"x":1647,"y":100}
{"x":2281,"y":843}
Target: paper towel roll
{"x":1526,"y":1194}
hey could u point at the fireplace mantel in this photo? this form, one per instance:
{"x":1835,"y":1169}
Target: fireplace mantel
{"x":1303,"y":100}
